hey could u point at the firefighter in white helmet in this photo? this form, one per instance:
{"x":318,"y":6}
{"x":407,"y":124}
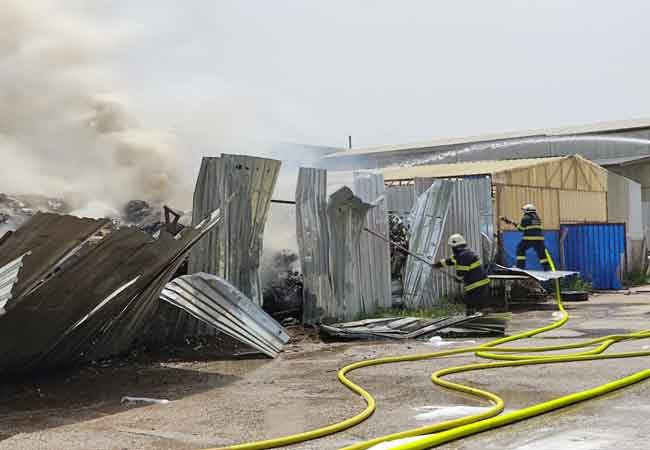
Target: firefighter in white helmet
{"x":533,"y":236}
{"x":468,"y":267}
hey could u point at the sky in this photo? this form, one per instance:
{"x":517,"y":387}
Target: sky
{"x":218,"y":73}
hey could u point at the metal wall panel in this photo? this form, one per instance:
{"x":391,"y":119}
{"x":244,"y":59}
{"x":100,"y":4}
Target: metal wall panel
{"x":468,"y":212}
{"x":400,"y":199}
{"x":597,"y":251}
{"x":577,"y":206}
{"x":347,"y":218}
{"x":375,"y":253}
{"x":427,"y":221}
{"x":510,"y":199}
{"x":510,"y":240}
{"x":313,"y":236}
{"x":244,"y":186}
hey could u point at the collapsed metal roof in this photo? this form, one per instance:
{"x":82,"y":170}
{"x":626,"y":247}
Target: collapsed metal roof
{"x":78,"y":296}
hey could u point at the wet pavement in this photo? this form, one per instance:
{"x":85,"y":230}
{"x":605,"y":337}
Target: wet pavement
{"x":217,"y":403}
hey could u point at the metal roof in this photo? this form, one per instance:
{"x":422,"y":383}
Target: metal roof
{"x":598,"y":127}
{"x":623,"y":161}
{"x":462,"y":169}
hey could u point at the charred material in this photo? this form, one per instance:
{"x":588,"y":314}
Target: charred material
{"x":84,"y":292}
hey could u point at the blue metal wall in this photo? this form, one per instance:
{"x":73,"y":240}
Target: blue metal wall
{"x":510,"y":239}
{"x":596,"y":251}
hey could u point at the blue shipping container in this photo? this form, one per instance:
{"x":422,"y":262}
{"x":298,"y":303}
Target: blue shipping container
{"x":596,"y":251}
{"x":510,"y":240}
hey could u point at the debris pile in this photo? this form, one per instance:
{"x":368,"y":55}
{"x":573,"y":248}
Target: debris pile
{"x":476,"y":325}
{"x":15,"y":210}
{"x":76,"y":290}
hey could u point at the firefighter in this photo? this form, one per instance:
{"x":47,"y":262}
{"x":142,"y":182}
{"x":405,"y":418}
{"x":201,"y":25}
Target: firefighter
{"x":531,"y":226}
{"x":468,"y":267}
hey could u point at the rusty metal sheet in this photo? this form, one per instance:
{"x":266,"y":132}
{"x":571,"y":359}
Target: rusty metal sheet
{"x":49,"y":239}
{"x":97,"y":303}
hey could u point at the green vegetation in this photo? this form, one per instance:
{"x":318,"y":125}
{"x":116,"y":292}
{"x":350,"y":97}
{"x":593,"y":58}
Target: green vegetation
{"x":635,"y":278}
{"x":444,"y":309}
{"x":577,"y":284}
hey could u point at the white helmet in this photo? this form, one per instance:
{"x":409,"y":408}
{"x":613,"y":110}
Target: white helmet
{"x":529,"y":208}
{"x":456,"y":240}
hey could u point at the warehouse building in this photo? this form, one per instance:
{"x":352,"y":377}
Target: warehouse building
{"x":571,"y":194}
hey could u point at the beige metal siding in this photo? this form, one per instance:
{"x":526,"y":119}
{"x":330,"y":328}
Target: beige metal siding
{"x":511,"y":198}
{"x":578,"y":206}
{"x":571,"y":173}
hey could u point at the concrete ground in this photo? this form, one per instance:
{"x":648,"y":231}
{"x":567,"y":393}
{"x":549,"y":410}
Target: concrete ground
{"x":217,"y":403}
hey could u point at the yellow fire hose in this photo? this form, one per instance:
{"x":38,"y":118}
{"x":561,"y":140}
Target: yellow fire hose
{"x":439,"y":433}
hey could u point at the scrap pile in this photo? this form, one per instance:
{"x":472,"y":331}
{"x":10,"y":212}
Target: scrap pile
{"x":76,"y":290}
{"x":417,"y":328}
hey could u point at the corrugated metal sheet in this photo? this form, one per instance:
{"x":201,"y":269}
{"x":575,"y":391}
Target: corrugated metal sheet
{"x":462,"y":169}
{"x":313,"y":235}
{"x":597,"y":251}
{"x":400,"y":199}
{"x":218,"y":303}
{"x":469,"y":212}
{"x":576,"y":206}
{"x":428,"y":219}
{"x":347,"y":217}
{"x":50,"y":239}
{"x":375,"y":253}
{"x":244,"y":185}
{"x":599,"y":127}
{"x":416,"y":328}
{"x":510,"y":240}
{"x":96,"y":305}
{"x":8,"y":278}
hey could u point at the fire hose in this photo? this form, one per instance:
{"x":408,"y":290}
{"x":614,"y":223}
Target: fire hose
{"x":433,"y":435}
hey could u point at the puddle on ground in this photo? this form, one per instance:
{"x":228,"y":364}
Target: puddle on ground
{"x":394,"y":444}
{"x":440,"y":413}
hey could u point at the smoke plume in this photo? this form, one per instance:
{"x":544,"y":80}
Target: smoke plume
{"x":65,"y":127}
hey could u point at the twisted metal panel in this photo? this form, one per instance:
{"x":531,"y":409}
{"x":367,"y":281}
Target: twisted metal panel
{"x":314,"y":244}
{"x":375,"y":275}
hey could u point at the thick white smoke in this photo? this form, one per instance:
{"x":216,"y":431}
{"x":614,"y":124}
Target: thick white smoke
{"x":65,"y":126}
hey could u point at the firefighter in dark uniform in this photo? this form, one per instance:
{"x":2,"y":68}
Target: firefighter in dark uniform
{"x":468,"y":267}
{"x":531,"y":226}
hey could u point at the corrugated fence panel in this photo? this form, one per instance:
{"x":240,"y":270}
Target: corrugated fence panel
{"x":347,"y":217}
{"x":597,"y":251}
{"x":469,"y":212}
{"x":427,"y":224}
{"x":510,"y":240}
{"x":375,"y":253}
{"x":512,"y":198}
{"x":400,"y":199}
{"x":579,"y":206}
{"x":313,"y":245}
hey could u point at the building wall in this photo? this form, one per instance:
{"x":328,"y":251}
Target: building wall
{"x":568,"y":191}
{"x":624,"y":205}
